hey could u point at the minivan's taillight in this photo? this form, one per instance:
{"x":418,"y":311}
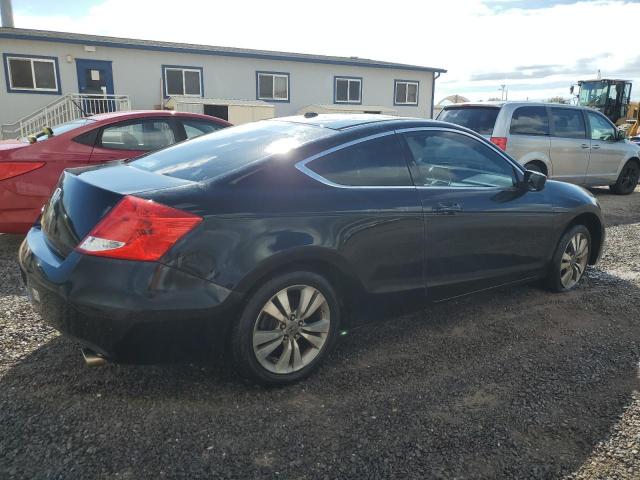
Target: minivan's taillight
{"x":138,"y":229}
{"x":500,"y":142}
{"x":13,"y":169}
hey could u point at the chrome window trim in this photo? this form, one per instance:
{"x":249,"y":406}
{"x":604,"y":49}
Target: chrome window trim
{"x":302,"y":165}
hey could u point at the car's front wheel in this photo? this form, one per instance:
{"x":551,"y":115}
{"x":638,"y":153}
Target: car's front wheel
{"x":570,"y":260}
{"x":628,"y":178}
{"x":286,"y":329}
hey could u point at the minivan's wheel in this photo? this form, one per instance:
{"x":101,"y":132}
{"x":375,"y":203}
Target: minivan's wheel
{"x":286,"y":329}
{"x":628,"y":179}
{"x":570,"y":259}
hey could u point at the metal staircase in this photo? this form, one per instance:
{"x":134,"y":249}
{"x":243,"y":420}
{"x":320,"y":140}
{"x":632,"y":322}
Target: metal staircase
{"x":64,"y":109}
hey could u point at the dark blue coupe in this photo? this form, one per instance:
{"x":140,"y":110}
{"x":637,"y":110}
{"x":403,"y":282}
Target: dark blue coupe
{"x":265,"y":240}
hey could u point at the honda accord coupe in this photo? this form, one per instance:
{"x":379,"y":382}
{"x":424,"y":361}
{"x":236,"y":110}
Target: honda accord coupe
{"x":265,"y":240}
{"x":30,"y":167}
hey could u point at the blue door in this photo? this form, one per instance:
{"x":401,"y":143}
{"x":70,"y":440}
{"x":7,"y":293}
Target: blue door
{"x":95,"y":77}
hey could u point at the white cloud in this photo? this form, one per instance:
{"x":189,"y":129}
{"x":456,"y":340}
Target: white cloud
{"x":464,"y":36}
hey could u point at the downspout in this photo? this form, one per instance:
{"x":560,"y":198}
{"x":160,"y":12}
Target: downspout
{"x":436,"y":75}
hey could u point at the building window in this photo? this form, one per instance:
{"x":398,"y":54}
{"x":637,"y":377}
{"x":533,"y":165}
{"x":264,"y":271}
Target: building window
{"x":406,"y":93}
{"x":347,"y":90}
{"x":31,"y":74}
{"x":273,"y":86}
{"x":182,"y":81}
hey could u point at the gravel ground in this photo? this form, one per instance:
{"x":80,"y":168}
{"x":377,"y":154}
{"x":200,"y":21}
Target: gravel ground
{"x":515,"y":383}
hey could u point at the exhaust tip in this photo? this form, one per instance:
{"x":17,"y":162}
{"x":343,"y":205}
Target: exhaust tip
{"x":92,"y":359}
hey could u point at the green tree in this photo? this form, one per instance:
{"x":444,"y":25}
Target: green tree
{"x":560,"y":100}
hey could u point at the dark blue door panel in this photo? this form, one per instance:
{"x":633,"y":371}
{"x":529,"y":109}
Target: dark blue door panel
{"x":478,"y":238}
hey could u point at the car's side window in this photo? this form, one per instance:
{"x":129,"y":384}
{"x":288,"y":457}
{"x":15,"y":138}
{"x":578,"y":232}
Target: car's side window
{"x":144,"y":135}
{"x":450,"y":159}
{"x":530,"y":121}
{"x":376,"y":162}
{"x":601,"y":129}
{"x":567,"y":123}
{"x":194,"y":128}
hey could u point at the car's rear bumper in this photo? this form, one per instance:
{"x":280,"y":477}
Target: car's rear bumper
{"x":124,"y":310}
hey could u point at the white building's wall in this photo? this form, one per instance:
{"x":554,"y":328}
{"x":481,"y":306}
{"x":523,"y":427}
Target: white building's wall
{"x":137,"y":73}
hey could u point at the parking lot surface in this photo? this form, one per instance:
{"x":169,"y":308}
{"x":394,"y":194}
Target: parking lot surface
{"x":516,"y":383}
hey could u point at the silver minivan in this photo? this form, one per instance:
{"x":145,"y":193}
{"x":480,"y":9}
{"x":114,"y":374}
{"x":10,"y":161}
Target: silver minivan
{"x":565,"y":142}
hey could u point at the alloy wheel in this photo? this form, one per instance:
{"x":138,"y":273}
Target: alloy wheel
{"x":574,"y":260}
{"x":291,"y":329}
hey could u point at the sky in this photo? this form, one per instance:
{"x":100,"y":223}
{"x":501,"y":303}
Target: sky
{"x":536,"y":48}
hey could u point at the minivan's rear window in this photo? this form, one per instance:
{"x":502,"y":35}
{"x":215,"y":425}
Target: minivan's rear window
{"x":479,"y":119}
{"x":221,"y":152}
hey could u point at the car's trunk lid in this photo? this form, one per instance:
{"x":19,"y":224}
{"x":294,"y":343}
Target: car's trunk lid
{"x":85,"y":195}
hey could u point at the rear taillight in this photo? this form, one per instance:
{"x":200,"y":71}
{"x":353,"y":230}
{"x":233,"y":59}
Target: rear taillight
{"x":137,"y":229}
{"x":500,"y":142}
{"x":13,"y":169}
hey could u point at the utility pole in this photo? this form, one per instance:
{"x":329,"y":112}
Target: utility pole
{"x":504,"y":92}
{"x":6,"y":11}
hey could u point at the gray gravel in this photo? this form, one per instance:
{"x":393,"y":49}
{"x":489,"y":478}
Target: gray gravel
{"x":515,"y":383}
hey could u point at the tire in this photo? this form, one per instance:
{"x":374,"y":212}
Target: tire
{"x":273,"y":349}
{"x":556,"y":278}
{"x":628,"y":179}
{"x":535,"y":167}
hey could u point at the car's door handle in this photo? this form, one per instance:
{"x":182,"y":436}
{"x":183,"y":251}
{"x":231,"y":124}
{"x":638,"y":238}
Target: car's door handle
{"x":447,"y":208}
{"x":584,"y":145}
{"x":595,"y":147}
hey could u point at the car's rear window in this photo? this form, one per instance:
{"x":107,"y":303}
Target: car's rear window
{"x":479,"y":119}
{"x":62,"y":128}
{"x":221,"y":152}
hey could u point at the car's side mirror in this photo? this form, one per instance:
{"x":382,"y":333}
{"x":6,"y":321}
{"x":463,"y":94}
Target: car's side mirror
{"x":534,"y":181}
{"x":621,"y":135}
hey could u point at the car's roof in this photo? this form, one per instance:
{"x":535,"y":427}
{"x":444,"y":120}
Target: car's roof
{"x":509,"y":103}
{"x":474,"y":104}
{"x":130,"y":114}
{"x":339,"y":121}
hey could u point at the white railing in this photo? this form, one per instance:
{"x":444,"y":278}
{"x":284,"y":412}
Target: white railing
{"x":69,"y":107}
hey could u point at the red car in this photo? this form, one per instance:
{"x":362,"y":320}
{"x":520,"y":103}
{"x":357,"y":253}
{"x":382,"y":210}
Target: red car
{"x":30,"y":168}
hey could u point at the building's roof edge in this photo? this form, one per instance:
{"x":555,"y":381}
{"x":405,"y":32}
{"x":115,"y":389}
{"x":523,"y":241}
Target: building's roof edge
{"x":118,"y":42}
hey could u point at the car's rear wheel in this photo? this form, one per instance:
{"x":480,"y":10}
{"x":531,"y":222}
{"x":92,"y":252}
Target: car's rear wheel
{"x":628,"y":178}
{"x":286,"y":329}
{"x":570,"y":260}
